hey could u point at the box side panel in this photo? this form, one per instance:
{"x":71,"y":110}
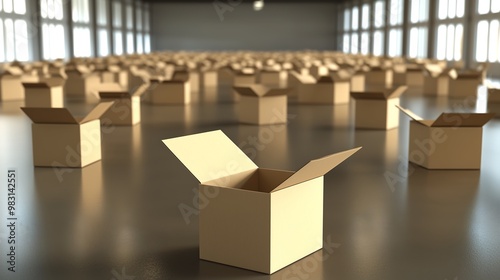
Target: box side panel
{"x":248,"y":109}
{"x":57,"y":97}
{"x":458,"y":148}
{"x":358,"y":83}
{"x":392,"y":120}
{"x":235,"y":227}
{"x":371,"y":113}
{"x":414,"y":79}
{"x":341,"y":92}
{"x":463,"y":88}
{"x":273,"y":110}
{"x":12,"y":89}
{"x":430,"y":86}
{"x":90,"y":142}
{"x":38,"y":97}
{"x":56,"y":145}
{"x":296,"y":222}
{"x":418,"y":133}
{"x":120,"y":112}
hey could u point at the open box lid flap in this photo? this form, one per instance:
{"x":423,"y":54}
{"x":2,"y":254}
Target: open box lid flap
{"x":325,"y":79}
{"x":462,"y":120}
{"x":316,"y":168}
{"x":113,"y":94}
{"x":368,"y":95}
{"x":210,"y":155}
{"x":141,"y":90}
{"x":97,"y":112}
{"x":396,"y":92}
{"x":50,"y":115}
{"x":414,"y":116}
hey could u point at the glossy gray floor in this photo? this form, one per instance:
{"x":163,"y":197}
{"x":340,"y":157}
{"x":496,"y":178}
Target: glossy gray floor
{"x":120,"y":217}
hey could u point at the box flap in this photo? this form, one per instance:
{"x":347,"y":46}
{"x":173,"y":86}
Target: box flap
{"x":368,"y":95}
{"x":141,"y":90}
{"x":113,"y":94}
{"x":49,"y":83}
{"x":260,"y":91}
{"x":316,"y":168}
{"x":50,"y":115}
{"x":465,"y":120}
{"x":324,"y":79}
{"x":97,"y":112}
{"x":210,"y":155}
{"x":395,"y":92}
{"x":414,"y":116}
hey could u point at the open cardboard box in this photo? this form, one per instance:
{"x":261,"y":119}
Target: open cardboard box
{"x":126,"y":109}
{"x":414,"y":76}
{"x":464,"y":84}
{"x":270,"y":77}
{"x":258,"y":219}
{"x":452,"y":141}
{"x":61,"y":140}
{"x":44,"y":94}
{"x":243,"y":77}
{"x":331,"y":90}
{"x":81,"y":82}
{"x":11,"y":87}
{"x":376,"y":109}
{"x":262,"y":105}
{"x":169,"y":92}
{"x":378,"y":76}
{"x":436,"y":81}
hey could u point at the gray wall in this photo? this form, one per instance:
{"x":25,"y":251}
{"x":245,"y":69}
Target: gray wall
{"x":279,"y":26}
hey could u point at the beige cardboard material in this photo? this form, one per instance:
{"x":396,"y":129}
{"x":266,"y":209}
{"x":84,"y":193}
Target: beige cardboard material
{"x":46,"y":94}
{"x":326,"y":90}
{"x":257,"y":219}
{"x":452,"y":141}
{"x":81,"y":84}
{"x":243,"y":78}
{"x":262,"y":105}
{"x":493,"y":95}
{"x":436,"y":83}
{"x":170,"y":92}
{"x":126,"y":109}
{"x":464,"y":84}
{"x":414,"y":77}
{"x":270,"y":78}
{"x":11,"y":87}
{"x":358,"y":82}
{"x":61,"y":140}
{"x":377,"y":109}
{"x":209,"y":78}
{"x":379,"y":77}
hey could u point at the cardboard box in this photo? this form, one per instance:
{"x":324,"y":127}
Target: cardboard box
{"x":209,"y":78}
{"x":378,"y":76}
{"x":358,"y":81}
{"x":11,"y":87}
{"x":169,"y":92}
{"x":61,"y":140}
{"x":45,"y":94}
{"x":493,"y":95}
{"x":330,"y":90}
{"x":126,"y":109}
{"x":114,"y":74}
{"x":270,"y":77}
{"x":464,"y":84}
{"x":452,"y":141}
{"x":243,"y":77}
{"x":436,"y":81}
{"x":377,"y":109}
{"x":257,"y":219}
{"x":399,"y":76}
{"x":81,"y":83}
{"x":414,"y":76}
{"x":262,"y":105}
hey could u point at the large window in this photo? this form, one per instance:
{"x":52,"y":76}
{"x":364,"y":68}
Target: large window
{"x":450,"y":30}
{"x":147,"y":29}
{"x":354,"y":30}
{"x":129,"y":19}
{"x":82,"y":37}
{"x":53,"y":29}
{"x":102,"y":23}
{"x":378,"y":24}
{"x":365,"y":25}
{"x":346,"y":42}
{"x":395,"y":27}
{"x":488,"y":31}
{"x":419,"y":17}
{"x":14,"y":37}
{"x":117,"y":27}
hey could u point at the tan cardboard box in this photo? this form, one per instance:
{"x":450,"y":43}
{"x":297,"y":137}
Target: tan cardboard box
{"x":399,"y":76}
{"x":169,"y":92}
{"x":377,"y":109}
{"x":436,"y":81}
{"x":378,"y":76}
{"x":114,"y":74}
{"x":258,"y":219}
{"x":61,"y":140}
{"x":270,"y":77}
{"x":126,"y":109}
{"x":81,"y":83}
{"x":209,"y":78}
{"x":464,"y":84}
{"x":358,"y":81}
{"x":262,"y":105}
{"x":11,"y":87}
{"x":414,"y":76}
{"x":331,"y":90}
{"x":452,"y":141}
{"x":493,"y":95}
{"x":243,"y":77}
{"x":45,"y":94}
